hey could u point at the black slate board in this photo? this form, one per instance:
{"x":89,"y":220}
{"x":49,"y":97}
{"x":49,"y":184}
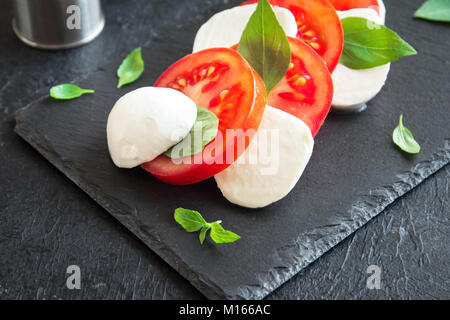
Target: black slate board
{"x":355,"y":171}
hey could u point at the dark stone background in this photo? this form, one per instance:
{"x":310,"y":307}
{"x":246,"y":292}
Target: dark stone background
{"x":47,"y":223}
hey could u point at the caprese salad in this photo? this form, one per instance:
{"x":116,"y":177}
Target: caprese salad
{"x":245,"y":106}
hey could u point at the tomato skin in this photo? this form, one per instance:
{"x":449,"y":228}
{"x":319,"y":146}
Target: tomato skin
{"x":246,"y":112}
{"x":306,"y":91}
{"x":318,"y":25}
{"x":309,"y":77}
{"x":343,"y":5}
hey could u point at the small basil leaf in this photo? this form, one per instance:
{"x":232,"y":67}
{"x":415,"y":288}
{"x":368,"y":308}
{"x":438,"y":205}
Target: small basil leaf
{"x":193,"y":221}
{"x":404,"y":139}
{"x":190,"y":220}
{"x":368,"y":44}
{"x":202,"y":234}
{"x":434,"y":10}
{"x":219,"y":235}
{"x":131,"y":68}
{"x":68,"y":91}
{"x":203,"y":132}
{"x":265,"y":46}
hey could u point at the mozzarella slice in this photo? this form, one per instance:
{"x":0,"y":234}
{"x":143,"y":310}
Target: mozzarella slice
{"x":146,"y":122}
{"x":366,"y":13}
{"x":382,"y":11}
{"x":224,"y":29}
{"x":273,"y":163}
{"x":352,"y":88}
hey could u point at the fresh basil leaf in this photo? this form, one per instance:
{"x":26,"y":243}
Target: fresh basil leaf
{"x":190,"y":220}
{"x":203,"y":132}
{"x":434,"y":10}
{"x":202,"y":234}
{"x":68,"y":91}
{"x":368,"y":44}
{"x":404,"y":139}
{"x":193,"y":221}
{"x":131,"y":68}
{"x":219,"y":235}
{"x":265,"y":46}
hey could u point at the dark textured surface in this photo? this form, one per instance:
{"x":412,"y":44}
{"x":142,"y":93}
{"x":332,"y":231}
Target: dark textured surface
{"x":48,"y":224}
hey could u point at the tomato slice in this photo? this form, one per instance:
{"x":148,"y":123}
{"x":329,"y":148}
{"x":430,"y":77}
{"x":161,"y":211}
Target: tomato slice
{"x":221,"y":80}
{"x":318,"y":25}
{"x":306,"y":91}
{"x":343,"y":5}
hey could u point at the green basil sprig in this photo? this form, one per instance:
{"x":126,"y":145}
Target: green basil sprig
{"x":265,"y":46}
{"x":203,"y":132}
{"x":368,"y":44}
{"x":68,"y":91}
{"x":434,"y":10}
{"x":192,"y":221}
{"x":131,"y":68}
{"x":404,"y":139}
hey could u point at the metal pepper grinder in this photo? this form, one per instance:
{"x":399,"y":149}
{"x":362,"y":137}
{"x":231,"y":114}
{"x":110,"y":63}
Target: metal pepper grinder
{"x":57,"y":24}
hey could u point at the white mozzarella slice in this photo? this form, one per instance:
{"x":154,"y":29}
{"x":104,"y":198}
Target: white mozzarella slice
{"x":273,"y":163}
{"x":352,"y":88}
{"x":366,"y":13}
{"x":382,"y":11}
{"x":146,"y":122}
{"x":224,"y":29}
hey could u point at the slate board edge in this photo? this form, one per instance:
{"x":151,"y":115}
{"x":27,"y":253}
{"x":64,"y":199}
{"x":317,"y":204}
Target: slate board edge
{"x":328,"y":236}
{"x":362,"y":212}
{"x":152,"y":242}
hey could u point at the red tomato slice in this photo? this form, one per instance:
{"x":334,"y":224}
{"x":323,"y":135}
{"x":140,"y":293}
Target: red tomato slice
{"x":306,"y":91}
{"x":318,"y":25}
{"x":343,"y":5}
{"x":221,"y":80}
